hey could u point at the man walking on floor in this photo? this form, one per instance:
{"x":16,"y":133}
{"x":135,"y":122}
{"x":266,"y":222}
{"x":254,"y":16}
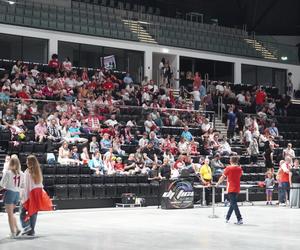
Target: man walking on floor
{"x":233,"y":174}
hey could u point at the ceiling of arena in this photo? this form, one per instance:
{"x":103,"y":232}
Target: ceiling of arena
{"x":265,"y":17}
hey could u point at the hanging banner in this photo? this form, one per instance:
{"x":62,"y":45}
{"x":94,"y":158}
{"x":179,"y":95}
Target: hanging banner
{"x":108,"y":62}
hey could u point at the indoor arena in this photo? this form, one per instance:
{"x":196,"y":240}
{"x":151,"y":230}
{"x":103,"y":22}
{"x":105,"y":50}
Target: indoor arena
{"x":134,"y":124}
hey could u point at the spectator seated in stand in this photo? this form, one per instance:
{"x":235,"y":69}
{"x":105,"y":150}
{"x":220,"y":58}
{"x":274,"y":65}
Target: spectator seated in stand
{"x":96,"y":164}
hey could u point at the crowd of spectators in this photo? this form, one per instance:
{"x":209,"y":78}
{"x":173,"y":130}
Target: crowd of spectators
{"x":78,"y":114}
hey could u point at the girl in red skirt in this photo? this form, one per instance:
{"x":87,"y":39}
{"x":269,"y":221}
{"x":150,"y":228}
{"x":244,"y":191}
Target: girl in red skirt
{"x":34,"y":198}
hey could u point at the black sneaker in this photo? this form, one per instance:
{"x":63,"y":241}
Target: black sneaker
{"x":18,"y":233}
{"x":31,"y":233}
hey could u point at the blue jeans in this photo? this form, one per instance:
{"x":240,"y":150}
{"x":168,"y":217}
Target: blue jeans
{"x":31,"y":222}
{"x":196,"y":105}
{"x":283,"y":190}
{"x":233,"y":206}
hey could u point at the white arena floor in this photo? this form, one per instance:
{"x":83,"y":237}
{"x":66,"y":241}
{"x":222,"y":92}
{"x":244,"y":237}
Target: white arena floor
{"x":151,"y":228}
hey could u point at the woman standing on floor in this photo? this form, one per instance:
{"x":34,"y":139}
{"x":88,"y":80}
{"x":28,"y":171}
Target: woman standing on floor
{"x":12,"y":181}
{"x":34,"y":197}
{"x":295,"y":185}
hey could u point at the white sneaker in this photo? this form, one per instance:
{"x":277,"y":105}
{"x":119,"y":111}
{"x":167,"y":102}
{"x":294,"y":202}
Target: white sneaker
{"x":12,"y":236}
{"x":282,"y":204}
{"x":26,"y":230}
{"x":239,"y":222}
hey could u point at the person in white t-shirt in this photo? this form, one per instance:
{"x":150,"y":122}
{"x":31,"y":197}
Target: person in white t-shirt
{"x":17,"y":86}
{"x":71,"y":82}
{"x":12,"y":181}
{"x":241,"y":98}
{"x":196,"y":97}
{"x":35,"y":71}
{"x":220,"y":88}
{"x":143,"y":142}
{"x":67,"y":65}
{"x":289,"y":151}
{"x":248,"y":138}
{"x":111,"y":122}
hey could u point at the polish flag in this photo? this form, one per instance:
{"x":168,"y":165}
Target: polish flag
{"x":35,"y":198}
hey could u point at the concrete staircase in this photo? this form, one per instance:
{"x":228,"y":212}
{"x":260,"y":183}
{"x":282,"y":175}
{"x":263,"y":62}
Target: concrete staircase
{"x":137,"y":28}
{"x":220,"y":126}
{"x":266,"y":53}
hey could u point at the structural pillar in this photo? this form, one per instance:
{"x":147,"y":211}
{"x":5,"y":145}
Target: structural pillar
{"x":53,"y":47}
{"x":148,"y":64}
{"x":237,"y":73}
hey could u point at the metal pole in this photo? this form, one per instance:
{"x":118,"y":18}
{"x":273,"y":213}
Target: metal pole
{"x":213,"y":216}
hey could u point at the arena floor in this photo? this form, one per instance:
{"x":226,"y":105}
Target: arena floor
{"x":152,"y":228}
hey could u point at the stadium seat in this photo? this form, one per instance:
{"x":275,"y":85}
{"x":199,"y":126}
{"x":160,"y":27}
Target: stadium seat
{"x":39,"y":148}
{"x":73,"y":179}
{"x":49,"y":169}
{"x":133,"y":188}
{"x":27,"y":147}
{"x":132,"y":179}
{"x":120,"y":178}
{"x":111,"y":190}
{"x":121,"y":189}
{"x":61,"y":191}
{"x":61,"y":169}
{"x":85,"y":179}
{"x":23,"y":158}
{"x":61,"y":179}
{"x":142,"y":178}
{"x":74,"y":191}
{"x":41,"y":158}
{"x":86,"y":191}
{"x":154,"y":186}
{"x":97,"y":179}
{"x":109,"y":179}
{"x":144,"y":189}
{"x":85,"y":170}
{"x":74,"y":169}
{"x":99,"y":190}
{"x":48,"y":180}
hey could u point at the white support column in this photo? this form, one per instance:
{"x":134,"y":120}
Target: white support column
{"x":148,"y":64}
{"x":237,"y":73}
{"x":177,"y":73}
{"x":53,"y":47}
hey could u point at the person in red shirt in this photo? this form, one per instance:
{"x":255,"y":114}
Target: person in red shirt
{"x":108,"y":85}
{"x":260,"y":98}
{"x":119,"y":166}
{"x":284,"y":178}
{"x":233,"y":174}
{"x":23,"y":93}
{"x":54,"y":63}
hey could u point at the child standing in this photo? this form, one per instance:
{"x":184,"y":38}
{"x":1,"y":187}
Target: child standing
{"x":269,"y":183}
{"x":12,"y":181}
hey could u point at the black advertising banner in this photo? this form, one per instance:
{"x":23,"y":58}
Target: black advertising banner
{"x":178,"y":194}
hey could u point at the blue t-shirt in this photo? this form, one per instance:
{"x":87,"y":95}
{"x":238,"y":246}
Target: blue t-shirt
{"x":232,"y":118}
{"x":187,"y":135}
{"x":106,"y":143}
{"x":74,"y":130}
{"x":202,"y":91}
